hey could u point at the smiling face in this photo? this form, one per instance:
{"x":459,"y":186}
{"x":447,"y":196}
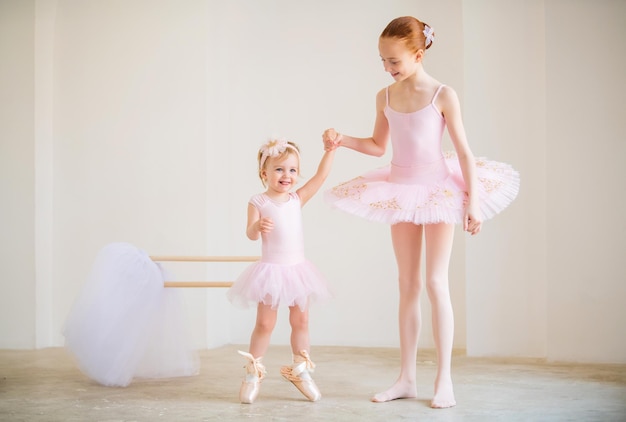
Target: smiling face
{"x":280,"y":174}
{"x":399,"y":61}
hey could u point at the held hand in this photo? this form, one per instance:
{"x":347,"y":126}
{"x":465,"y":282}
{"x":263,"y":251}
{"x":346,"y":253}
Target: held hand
{"x":331,"y":139}
{"x":265,"y":225}
{"x":472,"y":220}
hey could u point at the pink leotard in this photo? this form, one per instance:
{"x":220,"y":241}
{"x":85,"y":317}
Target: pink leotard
{"x":283,"y":276}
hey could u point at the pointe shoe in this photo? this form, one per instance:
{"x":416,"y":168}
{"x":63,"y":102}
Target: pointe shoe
{"x":300,"y":375}
{"x":251,"y":384}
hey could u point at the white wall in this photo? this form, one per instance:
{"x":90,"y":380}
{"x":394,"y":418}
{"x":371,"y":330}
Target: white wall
{"x":505,"y":111}
{"x":586,"y":98}
{"x":17,"y":175}
{"x":148,"y":115}
{"x":545,"y":90}
{"x":130,"y":136}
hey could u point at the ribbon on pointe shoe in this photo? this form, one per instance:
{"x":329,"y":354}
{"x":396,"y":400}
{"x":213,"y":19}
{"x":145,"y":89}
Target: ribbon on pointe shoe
{"x":251,"y":384}
{"x":254,"y":366}
{"x":299,"y":374}
{"x":303,"y":362}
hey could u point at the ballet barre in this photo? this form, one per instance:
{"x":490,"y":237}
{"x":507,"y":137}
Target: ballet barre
{"x":173,"y":258}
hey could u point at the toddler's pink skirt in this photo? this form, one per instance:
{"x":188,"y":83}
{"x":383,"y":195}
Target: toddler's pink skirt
{"x":277,"y":285}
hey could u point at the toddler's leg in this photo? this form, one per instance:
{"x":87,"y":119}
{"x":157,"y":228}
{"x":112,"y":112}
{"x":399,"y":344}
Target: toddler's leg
{"x":262,"y":333}
{"x":299,"y":373}
{"x":407,"y":244}
{"x":259,"y":342}
{"x":299,"y":322}
{"x":438,"y":250}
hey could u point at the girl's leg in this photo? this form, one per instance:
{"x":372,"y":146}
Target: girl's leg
{"x":407,"y":245}
{"x":299,"y":321}
{"x":439,"y":239}
{"x":265,"y":322}
{"x":259,"y":342}
{"x":299,"y":373}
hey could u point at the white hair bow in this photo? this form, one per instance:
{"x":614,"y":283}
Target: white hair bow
{"x":429,"y":34}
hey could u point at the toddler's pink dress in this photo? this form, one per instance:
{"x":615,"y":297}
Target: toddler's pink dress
{"x":423,"y":185}
{"x":283,"y":276}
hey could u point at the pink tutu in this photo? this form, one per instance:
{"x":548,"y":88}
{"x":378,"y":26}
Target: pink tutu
{"x":434,"y":193}
{"x":273,"y":284}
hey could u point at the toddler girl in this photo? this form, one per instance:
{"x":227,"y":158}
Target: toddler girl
{"x":283,"y":276}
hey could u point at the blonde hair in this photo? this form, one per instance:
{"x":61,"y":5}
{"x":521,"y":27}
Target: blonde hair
{"x":290,"y":148}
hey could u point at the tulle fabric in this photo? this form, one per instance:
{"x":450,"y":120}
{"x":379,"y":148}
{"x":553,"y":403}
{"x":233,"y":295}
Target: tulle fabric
{"x":434,"y":199}
{"x":124,"y":324}
{"x":277,"y":285}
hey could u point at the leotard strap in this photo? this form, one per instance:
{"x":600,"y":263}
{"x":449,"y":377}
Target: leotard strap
{"x":436,"y":94}
{"x":432,"y":101}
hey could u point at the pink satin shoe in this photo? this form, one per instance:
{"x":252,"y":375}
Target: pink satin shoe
{"x":300,"y":375}
{"x":251,"y":384}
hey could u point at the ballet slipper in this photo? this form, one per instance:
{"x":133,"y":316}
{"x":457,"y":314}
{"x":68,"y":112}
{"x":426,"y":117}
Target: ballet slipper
{"x":300,"y":375}
{"x":251,"y":384}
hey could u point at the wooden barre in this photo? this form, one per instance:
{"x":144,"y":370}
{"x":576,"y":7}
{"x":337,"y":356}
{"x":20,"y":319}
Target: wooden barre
{"x":172,"y":258}
{"x":197,"y":284}
{"x":169,"y":258}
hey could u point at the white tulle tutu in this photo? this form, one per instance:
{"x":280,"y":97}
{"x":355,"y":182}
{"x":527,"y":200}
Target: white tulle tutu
{"x":425,"y":195}
{"x":124,"y":324}
{"x":299,"y":284}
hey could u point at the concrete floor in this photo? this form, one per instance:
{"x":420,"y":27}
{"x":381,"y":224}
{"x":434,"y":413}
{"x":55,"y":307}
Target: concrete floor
{"x":44,"y":385}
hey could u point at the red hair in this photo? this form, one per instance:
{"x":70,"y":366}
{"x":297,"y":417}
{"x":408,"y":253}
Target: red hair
{"x":410,"y":30}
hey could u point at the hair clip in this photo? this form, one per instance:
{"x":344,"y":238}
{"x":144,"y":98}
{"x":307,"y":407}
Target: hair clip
{"x":429,"y":34}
